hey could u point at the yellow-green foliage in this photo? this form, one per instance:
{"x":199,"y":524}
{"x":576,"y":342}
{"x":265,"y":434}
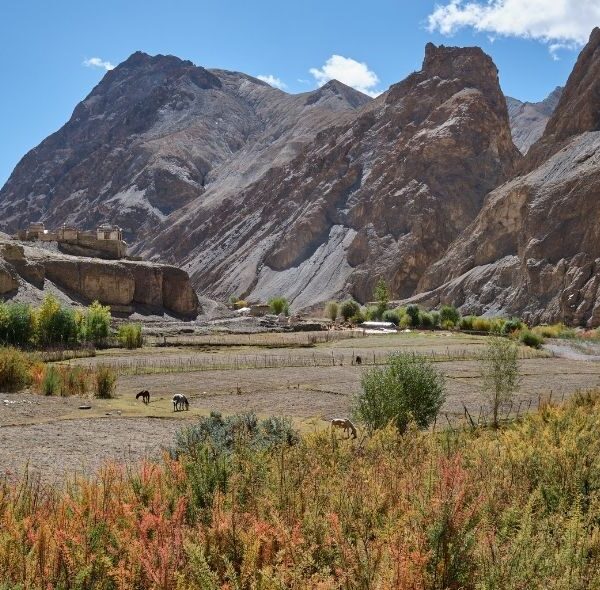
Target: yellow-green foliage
{"x":15,"y":369}
{"x":554,"y":331}
{"x":130,"y":335}
{"x":511,"y":509}
{"x":105,"y":382}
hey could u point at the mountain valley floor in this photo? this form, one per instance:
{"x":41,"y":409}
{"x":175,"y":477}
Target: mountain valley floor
{"x":309,"y":377}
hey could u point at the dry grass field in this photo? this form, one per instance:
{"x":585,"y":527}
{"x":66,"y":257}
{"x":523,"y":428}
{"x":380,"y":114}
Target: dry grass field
{"x":308,"y":377}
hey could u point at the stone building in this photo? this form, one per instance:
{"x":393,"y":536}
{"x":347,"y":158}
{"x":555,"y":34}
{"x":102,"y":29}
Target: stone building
{"x":104,"y":242}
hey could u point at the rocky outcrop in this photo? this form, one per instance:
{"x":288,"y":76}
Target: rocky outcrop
{"x":528,"y":120}
{"x":121,"y":284}
{"x":534,"y":250}
{"x":381,"y":195}
{"x":158,"y":133}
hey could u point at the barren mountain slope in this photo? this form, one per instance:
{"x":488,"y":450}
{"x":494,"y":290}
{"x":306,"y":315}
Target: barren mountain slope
{"x":534,"y":249}
{"x":157,"y":133}
{"x":529,"y":119}
{"x":380,"y":196}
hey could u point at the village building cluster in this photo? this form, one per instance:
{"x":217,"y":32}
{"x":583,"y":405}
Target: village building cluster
{"x":106,"y":241}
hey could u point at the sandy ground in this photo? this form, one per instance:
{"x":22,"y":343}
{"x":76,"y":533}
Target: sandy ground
{"x":52,"y":435}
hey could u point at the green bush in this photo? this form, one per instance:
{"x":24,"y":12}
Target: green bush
{"x":449,"y":316}
{"x":55,"y":324}
{"x":130,"y":336}
{"x":16,"y":324}
{"x":349,"y":309}
{"x":408,"y":389}
{"x":435,"y":318}
{"x":373,"y":313}
{"x":332,"y":310}
{"x":14,"y":369}
{"x":530,"y":339}
{"x":512,"y":325}
{"x":412,"y":311}
{"x":425,"y":319}
{"x":554,"y":331}
{"x":466,"y":322}
{"x":106,"y":380}
{"x":358,"y":317}
{"x":51,"y":382}
{"x":222,"y":434}
{"x":391,"y":315}
{"x":95,"y":323}
{"x":279,"y":305}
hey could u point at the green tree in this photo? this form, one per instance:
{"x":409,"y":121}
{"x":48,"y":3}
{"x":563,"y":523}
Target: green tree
{"x":408,"y":388}
{"x":449,"y":316}
{"x":279,"y":305}
{"x":382,"y":296}
{"x":55,"y":324}
{"x":349,"y":309}
{"x":95,"y":323}
{"x":499,"y":367}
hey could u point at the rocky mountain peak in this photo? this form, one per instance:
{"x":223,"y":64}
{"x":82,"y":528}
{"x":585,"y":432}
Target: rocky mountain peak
{"x":578,"y":109}
{"x":353,"y":97}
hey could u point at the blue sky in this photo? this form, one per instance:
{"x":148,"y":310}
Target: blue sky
{"x":44,"y":46}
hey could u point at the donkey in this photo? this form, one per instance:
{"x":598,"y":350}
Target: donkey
{"x":180,"y":402}
{"x":145,"y":395}
{"x":346,"y":425}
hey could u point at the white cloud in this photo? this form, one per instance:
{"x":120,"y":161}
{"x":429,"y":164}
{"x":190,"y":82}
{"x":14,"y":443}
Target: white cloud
{"x":348,"y":71}
{"x":272,"y":81}
{"x":97,"y":62}
{"x":562,"y":24}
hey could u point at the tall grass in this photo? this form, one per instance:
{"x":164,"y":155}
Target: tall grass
{"x":130,"y":336}
{"x":513,"y":509}
{"x":15,"y":369}
{"x":105,"y":382}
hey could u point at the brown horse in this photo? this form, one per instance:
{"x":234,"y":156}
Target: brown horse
{"x":346,"y":425}
{"x":145,"y":395}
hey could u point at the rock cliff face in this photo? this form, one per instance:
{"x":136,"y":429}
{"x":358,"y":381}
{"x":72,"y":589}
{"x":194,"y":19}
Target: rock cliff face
{"x":158,"y":133}
{"x":534,"y":249}
{"x":528,"y":120}
{"x":380,"y":195}
{"x":26,"y":271}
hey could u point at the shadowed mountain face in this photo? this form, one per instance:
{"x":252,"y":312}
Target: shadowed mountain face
{"x":155,"y":134}
{"x":535,"y":247}
{"x":529,"y":119}
{"x":379,"y":195}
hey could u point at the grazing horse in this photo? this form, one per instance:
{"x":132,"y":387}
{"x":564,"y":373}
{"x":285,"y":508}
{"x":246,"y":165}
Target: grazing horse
{"x":145,"y":395}
{"x":346,"y":425}
{"x":180,"y":402}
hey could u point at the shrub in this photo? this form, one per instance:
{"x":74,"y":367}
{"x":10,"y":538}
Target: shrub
{"x":105,"y":382}
{"x":95,"y":323}
{"x":554,"y":331}
{"x":391,"y":315}
{"x":55,"y":324}
{"x":408,"y":388}
{"x":279,"y":305}
{"x":331,"y":310}
{"x":51,"y":381}
{"x":435,"y":318}
{"x":14,"y":369}
{"x":449,"y":316}
{"x":222,"y":434}
{"x":358,"y":317}
{"x":425,"y":319}
{"x":16,"y":324}
{"x":372,"y":313}
{"x":530,"y":339}
{"x":349,"y":309}
{"x":240,"y":303}
{"x":512,"y":325}
{"x":73,"y":381}
{"x":500,"y":372}
{"x":482,"y":324}
{"x":466,"y":322}
{"x":412,"y":311}
{"x":130,"y":335}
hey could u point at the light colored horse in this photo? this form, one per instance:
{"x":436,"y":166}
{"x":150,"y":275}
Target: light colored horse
{"x":346,"y":425}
